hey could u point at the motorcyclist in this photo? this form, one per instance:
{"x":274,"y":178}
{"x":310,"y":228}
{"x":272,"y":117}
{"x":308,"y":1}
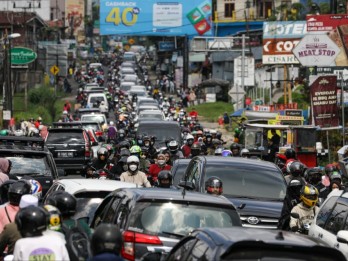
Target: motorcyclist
{"x":313,"y":176}
{"x":164,"y":179}
{"x":112,"y":132}
{"x":196,"y":150}
{"x":157,"y":167}
{"x":174,"y":150}
{"x":133,"y":175}
{"x":290,"y":155}
{"x":306,"y":209}
{"x":144,"y":162}
{"x":209,"y":143}
{"x":235,"y":148}
{"x":186,"y":149}
{"x":213,"y":185}
{"x":296,"y":171}
{"x":292,"y":198}
{"x":244,"y":153}
{"x":101,"y":163}
{"x":152,"y":151}
{"x":329,"y":169}
{"x":121,"y":136}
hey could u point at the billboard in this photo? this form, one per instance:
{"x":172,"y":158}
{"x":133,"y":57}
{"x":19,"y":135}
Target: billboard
{"x":323,"y":90}
{"x":279,"y":39}
{"x":151,"y":17}
{"x":74,"y":17}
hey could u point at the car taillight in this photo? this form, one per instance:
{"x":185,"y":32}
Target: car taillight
{"x":87,"y":146}
{"x":130,"y":238}
{"x":98,"y":133}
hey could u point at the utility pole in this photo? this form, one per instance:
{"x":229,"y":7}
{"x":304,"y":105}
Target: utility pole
{"x":186,"y":63}
{"x":243,"y":67}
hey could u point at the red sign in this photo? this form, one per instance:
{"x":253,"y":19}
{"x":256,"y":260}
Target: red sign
{"x":248,"y":101}
{"x":324,"y":101}
{"x":279,"y":46}
{"x":275,"y":107}
{"x":326,"y":22}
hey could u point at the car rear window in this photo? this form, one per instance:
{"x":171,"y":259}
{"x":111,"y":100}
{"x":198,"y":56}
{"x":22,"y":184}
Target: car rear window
{"x":249,"y":181}
{"x":97,"y":118}
{"x":65,"y":137}
{"x":97,"y":99}
{"x":162,"y":133}
{"x":180,"y":218}
{"x":33,"y":165}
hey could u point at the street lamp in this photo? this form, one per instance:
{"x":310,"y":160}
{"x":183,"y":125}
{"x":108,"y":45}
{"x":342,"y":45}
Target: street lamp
{"x":8,"y":80}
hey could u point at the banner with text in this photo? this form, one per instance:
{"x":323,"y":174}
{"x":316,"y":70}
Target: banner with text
{"x":323,"y":92}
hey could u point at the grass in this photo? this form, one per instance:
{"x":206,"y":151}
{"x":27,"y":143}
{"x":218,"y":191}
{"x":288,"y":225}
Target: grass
{"x":212,"y":111}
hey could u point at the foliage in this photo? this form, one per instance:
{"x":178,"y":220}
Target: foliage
{"x":212,"y":111}
{"x":297,"y":98}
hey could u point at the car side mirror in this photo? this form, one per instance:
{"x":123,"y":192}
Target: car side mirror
{"x":61,"y":172}
{"x":342,"y":236}
{"x":187,"y":185}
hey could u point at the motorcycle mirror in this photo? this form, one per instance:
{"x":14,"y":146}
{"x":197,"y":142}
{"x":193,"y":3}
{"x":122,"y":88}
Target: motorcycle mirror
{"x":295,"y":215}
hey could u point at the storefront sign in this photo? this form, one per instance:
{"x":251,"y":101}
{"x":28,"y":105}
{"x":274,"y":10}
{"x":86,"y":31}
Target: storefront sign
{"x":166,"y":46}
{"x":323,"y":92}
{"x":325,"y":23}
{"x":22,"y":55}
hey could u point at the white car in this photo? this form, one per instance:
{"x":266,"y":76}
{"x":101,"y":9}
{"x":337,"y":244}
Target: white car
{"x":331,"y":223}
{"x":89,"y":193}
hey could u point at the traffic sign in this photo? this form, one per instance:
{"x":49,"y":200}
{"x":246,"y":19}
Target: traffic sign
{"x":236,"y":93}
{"x":54,"y":70}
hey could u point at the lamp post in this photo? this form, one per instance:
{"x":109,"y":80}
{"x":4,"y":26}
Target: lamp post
{"x":8,"y":76}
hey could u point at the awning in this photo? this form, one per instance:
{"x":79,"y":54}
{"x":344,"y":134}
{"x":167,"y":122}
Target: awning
{"x":237,"y":113}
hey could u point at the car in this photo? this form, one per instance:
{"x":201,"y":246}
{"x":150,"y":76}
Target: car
{"x":238,"y":243}
{"x":125,"y":86}
{"x":257,"y":187}
{"x":331,"y":223}
{"x":146,"y":101}
{"x":81,"y":111}
{"x":138,"y":88}
{"x":178,"y":169}
{"x":138,"y":93}
{"x":146,"y":107}
{"x":126,"y":70}
{"x":94,"y":125}
{"x":71,"y":148}
{"x":162,"y":130}
{"x":151,"y":115}
{"x":129,"y":57}
{"x":130,"y":78}
{"x":98,"y":98}
{"x":30,"y":157}
{"x":95,"y":65}
{"x":96,"y":117}
{"x":88,"y":192}
{"x":154,"y":219}
{"x":128,"y":65}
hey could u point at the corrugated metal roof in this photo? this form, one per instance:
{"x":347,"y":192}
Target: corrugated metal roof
{"x":225,"y":56}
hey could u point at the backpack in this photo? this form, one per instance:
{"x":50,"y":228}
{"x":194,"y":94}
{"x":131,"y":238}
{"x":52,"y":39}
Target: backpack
{"x":77,"y":242}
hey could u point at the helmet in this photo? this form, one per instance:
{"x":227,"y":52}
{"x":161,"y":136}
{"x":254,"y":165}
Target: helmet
{"x":17,"y":190}
{"x":111,"y":123}
{"x":146,"y":141}
{"x":124,"y":152}
{"x":106,"y":238}
{"x":336,"y":176}
{"x":109,"y":148}
{"x":309,"y":195}
{"x":208,"y":137}
{"x":296,"y":168}
{"x":103,"y":152}
{"x":189,"y":139}
{"x":4,"y":190}
{"x":135,"y":150}
{"x":218,"y":152}
{"x":36,"y":188}
{"x":199,"y":133}
{"x":140,"y":140}
{"x":164,"y":179}
{"x":133,"y":164}
{"x":54,"y":217}
{"x":64,"y":201}
{"x":218,"y":135}
{"x":244,"y":153}
{"x":234,"y":146}
{"x":329,"y":168}
{"x":226,"y":153}
{"x":31,"y":221}
{"x":124,"y":144}
{"x":213,"y":183}
{"x":173,"y":146}
{"x":196,"y":149}
{"x":121,"y":133}
{"x":313,"y":175}
{"x":290,"y":153}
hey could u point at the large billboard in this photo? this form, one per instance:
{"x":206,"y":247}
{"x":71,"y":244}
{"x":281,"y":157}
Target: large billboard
{"x":74,"y":17}
{"x":279,"y":39}
{"x":151,"y":17}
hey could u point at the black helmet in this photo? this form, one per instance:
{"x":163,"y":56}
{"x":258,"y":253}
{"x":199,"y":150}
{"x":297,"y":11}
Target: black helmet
{"x":329,"y":169}
{"x":103,"y":151}
{"x":64,"y":201}
{"x":124,"y":144}
{"x":125,"y":152}
{"x":106,"y":238}
{"x":313,"y":175}
{"x":31,"y":221}
{"x":213,"y":183}
{"x":121,"y":133}
{"x":234,"y":146}
{"x":146,"y":141}
{"x":4,"y":190}
{"x":290,"y":153}
{"x":17,"y":190}
{"x":296,"y":169}
{"x":218,"y":135}
{"x":196,"y":149}
{"x":164,"y":179}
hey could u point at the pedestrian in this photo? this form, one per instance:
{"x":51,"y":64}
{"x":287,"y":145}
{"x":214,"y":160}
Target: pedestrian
{"x":192,"y":97}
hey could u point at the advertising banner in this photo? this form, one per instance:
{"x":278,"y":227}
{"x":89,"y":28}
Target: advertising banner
{"x":279,"y":39}
{"x":323,"y":92}
{"x":326,"y":22}
{"x":151,"y":17}
{"x":74,"y":16}
{"x":340,"y":72}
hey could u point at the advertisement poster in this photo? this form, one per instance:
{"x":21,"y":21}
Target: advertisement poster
{"x":151,"y":17}
{"x":74,"y":17}
{"x":324,"y":100}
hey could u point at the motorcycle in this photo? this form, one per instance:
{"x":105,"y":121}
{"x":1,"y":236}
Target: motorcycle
{"x":304,"y":227}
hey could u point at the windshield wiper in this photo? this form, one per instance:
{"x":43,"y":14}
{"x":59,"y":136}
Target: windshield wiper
{"x":173,"y":234}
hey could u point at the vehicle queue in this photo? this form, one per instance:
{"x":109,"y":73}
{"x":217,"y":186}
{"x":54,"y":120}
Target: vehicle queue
{"x":143,"y":136}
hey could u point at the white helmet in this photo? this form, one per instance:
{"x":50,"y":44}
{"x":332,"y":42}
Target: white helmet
{"x":244,"y":151}
{"x":19,"y":133}
{"x":111,"y":123}
{"x":132,"y":159}
{"x":189,"y":136}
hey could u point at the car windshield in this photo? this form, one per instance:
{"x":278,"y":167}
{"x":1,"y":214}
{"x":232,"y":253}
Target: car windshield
{"x":97,"y":118}
{"x":33,"y":165}
{"x":154,"y":116}
{"x":180,"y":218}
{"x":161,"y":134}
{"x":249,"y":181}
{"x":94,"y":127}
{"x":65,"y":137}
{"x":125,"y":87}
{"x":97,"y":99}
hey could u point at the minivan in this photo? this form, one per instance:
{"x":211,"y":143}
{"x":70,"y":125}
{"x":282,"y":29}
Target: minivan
{"x":98,"y":98}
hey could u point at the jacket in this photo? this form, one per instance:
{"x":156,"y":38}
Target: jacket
{"x":9,"y":237}
{"x":155,"y":169}
{"x":138,"y":178}
{"x":306,"y":215}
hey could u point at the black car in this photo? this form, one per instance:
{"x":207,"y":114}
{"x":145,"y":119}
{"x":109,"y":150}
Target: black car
{"x":257,"y":188}
{"x":83,"y":124}
{"x":178,"y":169}
{"x":30,"y":157}
{"x":71,"y":148}
{"x":251,"y":244}
{"x":153,"y":219}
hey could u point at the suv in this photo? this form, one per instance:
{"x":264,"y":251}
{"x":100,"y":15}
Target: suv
{"x":154,"y":219}
{"x":257,"y":187}
{"x":30,"y":157}
{"x":331,"y":223}
{"x":94,"y":125}
{"x":71,"y":148}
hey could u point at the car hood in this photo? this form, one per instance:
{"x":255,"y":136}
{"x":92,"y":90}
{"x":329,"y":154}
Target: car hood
{"x":257,"y":207}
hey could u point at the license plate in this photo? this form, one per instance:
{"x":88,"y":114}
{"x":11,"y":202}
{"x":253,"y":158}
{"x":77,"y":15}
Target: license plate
{"x":65,"y":154}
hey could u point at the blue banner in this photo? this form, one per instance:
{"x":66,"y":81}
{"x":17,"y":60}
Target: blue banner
{"x":150,"y":17}
{"x":166,"y":46}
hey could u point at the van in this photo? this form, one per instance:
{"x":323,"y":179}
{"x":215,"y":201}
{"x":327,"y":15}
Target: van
{"x":129,"y":57}
{"x":98,"y":98}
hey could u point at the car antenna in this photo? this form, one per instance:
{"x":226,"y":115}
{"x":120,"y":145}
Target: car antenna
{"x":184,"y":191}
{"x":280,"y":236}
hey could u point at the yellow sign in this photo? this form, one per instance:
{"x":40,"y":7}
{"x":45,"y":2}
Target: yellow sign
{"x":131,"y":41}
{"x":54,"y":70}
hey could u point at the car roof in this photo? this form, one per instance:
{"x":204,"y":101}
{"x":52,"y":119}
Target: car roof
{"x":151,"y":112}
{"x":140,"y":194}
{"x":127,"y":83}
{"x":240,"y":160}
{"x":74,"y":186}
{"x":161,"y":123}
